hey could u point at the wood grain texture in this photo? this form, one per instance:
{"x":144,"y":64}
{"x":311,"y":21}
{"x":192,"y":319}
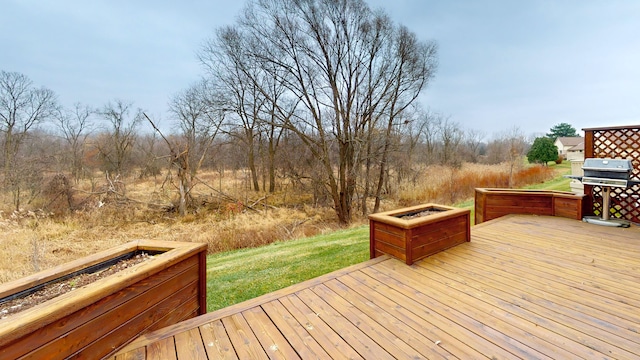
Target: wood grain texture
{"x":163,"y":349}
{"x":136,"y":354}
{"x":494,"y":203}
{"x":216,"y":341}
{"x":189,"y":345}
{"x":101,"y":317}
{"x":412,"y":240}
{"x":241,"y":335}
{"x":525,"y":287}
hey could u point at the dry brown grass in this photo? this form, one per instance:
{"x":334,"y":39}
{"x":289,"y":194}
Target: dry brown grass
{"x":34,"y":241}
{"x":31,"y":244}
{"x":446,"y":185}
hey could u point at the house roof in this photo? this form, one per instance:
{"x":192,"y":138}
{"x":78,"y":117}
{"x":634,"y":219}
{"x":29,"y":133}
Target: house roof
{"x":579,"y":147}
{"x":570,"y":141}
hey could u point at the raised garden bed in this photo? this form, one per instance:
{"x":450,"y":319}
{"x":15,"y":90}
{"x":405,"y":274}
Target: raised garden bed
{"x":413,"y":233}
{"x":97,"y":319}
{"x":494,"y":203}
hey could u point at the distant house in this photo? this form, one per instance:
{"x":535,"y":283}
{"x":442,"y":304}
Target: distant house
{"x":571,"y":148}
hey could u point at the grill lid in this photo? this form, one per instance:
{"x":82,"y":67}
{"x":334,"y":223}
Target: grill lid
{"x":619,"y":169}
{"x":613,"y":165}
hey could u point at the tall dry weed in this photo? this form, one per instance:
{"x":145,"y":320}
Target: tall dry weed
{"x":31,"y":244}
{"x":447,"y":185}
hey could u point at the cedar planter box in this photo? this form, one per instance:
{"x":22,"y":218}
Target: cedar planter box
{"x":494,"y":203}
{"x":411,"y":239}
{"x":99,"y":318}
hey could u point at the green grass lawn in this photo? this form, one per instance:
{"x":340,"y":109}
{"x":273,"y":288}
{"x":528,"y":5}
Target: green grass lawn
{"x":559,"y":183}
{"x":240,"y":275}
{"x":233,"y":277}
{"x":468,"y":204}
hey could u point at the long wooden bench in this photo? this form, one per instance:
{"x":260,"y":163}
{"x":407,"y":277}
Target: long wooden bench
{"x":494,"y":203}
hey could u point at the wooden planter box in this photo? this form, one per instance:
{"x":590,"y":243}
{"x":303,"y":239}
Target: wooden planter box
{"x":494,"y":203}
{"x":413,"y":239}
{"x":99,"y":318}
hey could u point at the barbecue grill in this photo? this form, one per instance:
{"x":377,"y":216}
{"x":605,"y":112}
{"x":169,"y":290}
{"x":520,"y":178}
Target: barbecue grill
{"x":607,"y":173}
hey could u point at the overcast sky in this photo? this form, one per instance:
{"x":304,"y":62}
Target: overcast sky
{"x":503,"y":63}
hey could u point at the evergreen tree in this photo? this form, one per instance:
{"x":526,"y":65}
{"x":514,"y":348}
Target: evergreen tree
{"x":542,"y":151}
{"x":562,"y":130}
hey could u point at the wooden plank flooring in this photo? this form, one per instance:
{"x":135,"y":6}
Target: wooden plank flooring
{"x":529,"y":287}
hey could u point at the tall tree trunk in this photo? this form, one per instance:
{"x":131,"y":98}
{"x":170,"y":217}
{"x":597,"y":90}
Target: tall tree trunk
{"x":182,"y":202}
{"x":252,"y":168}
{"x":271,"y":165}
{"x":383,"y":164}
{"x":8,"y":157}
{"x":367,"y":184}
{"x":367,"y":168}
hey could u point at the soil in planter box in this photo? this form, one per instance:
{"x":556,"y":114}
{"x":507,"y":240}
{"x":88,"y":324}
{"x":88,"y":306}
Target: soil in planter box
{"x":418,"y":214}
{"x":58,"y":288}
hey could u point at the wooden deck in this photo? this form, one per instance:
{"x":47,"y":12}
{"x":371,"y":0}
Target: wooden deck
{"x":531,"y":287}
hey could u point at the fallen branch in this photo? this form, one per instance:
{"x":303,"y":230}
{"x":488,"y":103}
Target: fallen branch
{"x":226,"y":196}
{"x":259,"y":201}
{"x":294,"y":226}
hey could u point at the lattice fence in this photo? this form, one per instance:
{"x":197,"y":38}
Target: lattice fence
{"x":616,"y":143}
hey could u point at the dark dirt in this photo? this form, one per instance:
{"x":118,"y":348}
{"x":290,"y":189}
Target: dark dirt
{"x":62,"y":287}
{"x":420,"y":214}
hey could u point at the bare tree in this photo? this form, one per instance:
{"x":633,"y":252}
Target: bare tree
{"x":22,"y":108}
{"x":473,"y":142}
{"x":76,"y":126}
{"x":516,"y":149}
{"x":508,"y":147}
{"x":431,"y":136}
{"x":345,"y":67}
{"x":200,"y":121}
{"x":240,"y":95}
{"x":451,"y":136}
{"x":117,"y":144}
{"x":34,"y":159}
{"x":411,"y":135}
{"x":413,"y":64}
{"x":150,"y":162}
{"x":255,"y":97}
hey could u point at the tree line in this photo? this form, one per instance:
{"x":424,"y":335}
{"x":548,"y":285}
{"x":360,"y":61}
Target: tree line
{"x":319,"y":94}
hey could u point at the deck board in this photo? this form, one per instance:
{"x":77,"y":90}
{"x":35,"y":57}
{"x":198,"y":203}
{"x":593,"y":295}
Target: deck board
{"x":380,"y":333}
{"x":488,"y":310}
{"x":163,"y":349}
{"x":189,"y":345}
{"x":419,"y":343}
{"x":332,"y":343}
{"x":241,"y":335}
{"x":535,"y":320}
{"x":351,"y":333}
{"x":443,"y":299}
{"x":411,"y":316}
{"x":300,"y":339}
{"x":218,"y":345}
{"x":529,"y":287}
{"x":272,"y":341}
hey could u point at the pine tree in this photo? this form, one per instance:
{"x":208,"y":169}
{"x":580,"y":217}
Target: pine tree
{"x":562,"y":130}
